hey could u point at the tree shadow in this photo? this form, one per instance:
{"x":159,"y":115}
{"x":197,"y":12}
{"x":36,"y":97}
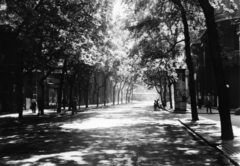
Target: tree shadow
{"x":125,"y":136}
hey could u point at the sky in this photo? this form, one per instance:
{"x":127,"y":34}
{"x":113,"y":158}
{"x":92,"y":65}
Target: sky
{"x":118,"y":9}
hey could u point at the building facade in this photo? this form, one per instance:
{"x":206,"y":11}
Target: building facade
{"x":228,"y":24}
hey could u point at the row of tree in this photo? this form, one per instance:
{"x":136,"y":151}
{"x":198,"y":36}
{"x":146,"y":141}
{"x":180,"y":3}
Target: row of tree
{"x":164,"y":30}
{"x":70,"y":37}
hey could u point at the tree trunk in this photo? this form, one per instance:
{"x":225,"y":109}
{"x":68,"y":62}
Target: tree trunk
{"x":70,"y":97}
{"x":122,"y":91}
{"x":119,"y":91}
{"x":19,"y":98}
{"x":19,"y":86}
{"x":86,"y":93}
{"x":119,"y":96}
{"x":98,"y":98}
{"x":80,"y":96}
{"x":41,"y":83}
{"x":42,"y":97}
{"x":61,"y":86}
{"x":114,"y":92}
{"x":105,"y":92}
{"x":165,"y":90}
{"x":170,"y":95}
{"x":170,"y":90}
{"x":188,"y":61}
{"x":215,"y":53}
{"x":158,"y":91}
{"x":126,"y":95}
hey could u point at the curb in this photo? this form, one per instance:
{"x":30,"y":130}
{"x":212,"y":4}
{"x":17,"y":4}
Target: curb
{"x":208,"y":143}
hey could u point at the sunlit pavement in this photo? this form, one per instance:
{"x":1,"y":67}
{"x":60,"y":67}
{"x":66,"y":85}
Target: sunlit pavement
{"x":122,"y":135}
{"x":208,"y":127}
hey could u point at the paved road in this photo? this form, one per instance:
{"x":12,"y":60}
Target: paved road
{"x":114,"y":136}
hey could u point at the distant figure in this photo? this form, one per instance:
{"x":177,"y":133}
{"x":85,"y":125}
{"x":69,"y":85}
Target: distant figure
{"x":33,"y":105}
{"x":64,"y":103}
{"x":209,"y":103}
{"x":74,"y":105}
{"x":40,"y":105}
{"x":199,"y":101}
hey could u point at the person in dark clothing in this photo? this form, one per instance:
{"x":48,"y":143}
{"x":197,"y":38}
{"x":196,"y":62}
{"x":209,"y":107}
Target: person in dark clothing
{"x":209,"y":103}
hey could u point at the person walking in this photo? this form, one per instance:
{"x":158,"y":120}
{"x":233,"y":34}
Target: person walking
{"x":33,"y":105}
{"x":209,"y":103}
{"x":199,"y":101}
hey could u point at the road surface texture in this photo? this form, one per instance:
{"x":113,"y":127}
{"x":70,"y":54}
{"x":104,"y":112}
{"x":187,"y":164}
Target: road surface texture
{"x":131,"y":134}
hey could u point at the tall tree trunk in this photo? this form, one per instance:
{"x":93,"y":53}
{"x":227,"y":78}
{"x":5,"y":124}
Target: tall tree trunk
{"x":170,"y":90}
{"x":126,"y":95}
{"x":170,"y":95}
{"x":159,"y":91}
{"x":132,"y":94}
{"x":97,"y":98}
{"x":114,"y":92}
{"x":80,"y":96}
{"x":19,"y":98}
{"x":59,"y":101}
{"x":70,"y":97}
{"x":188,"y":61}
{"x":42,"y":97}
{"x":19,"y":86}
{"x":86,"y":92}
{"x":165,"y":90}
{"x":122,"y":91}
{"x":41,"y":83}
{"x":105,"y":91}
{"x":119,"y":96}
{"x":215,"y":53}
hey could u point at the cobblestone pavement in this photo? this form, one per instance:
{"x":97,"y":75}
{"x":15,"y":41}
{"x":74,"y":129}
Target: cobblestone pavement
{"x":131,"y":135}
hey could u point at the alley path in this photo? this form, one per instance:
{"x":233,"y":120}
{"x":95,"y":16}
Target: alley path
{"x":113,"y":136}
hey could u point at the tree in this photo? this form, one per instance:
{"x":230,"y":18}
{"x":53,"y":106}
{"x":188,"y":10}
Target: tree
{"x":188,"y":59}
{"x":214,"y":48}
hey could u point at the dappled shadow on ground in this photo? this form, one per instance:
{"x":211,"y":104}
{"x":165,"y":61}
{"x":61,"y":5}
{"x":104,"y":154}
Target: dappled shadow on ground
{"x":211,"y":131}
{"x":122,"y":135}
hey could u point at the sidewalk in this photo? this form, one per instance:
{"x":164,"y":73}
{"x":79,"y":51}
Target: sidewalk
{"x":210,"y":132}
{"x":50,"y":112}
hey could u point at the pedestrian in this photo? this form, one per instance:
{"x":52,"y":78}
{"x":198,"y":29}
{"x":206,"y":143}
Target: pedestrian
{"x":64,"y":103}
{"x":33,"y":105}
{"x":40,"y":105}
{"x":199,"y":101}
{"x":74,"y":105}
{"x":209,"y":103}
